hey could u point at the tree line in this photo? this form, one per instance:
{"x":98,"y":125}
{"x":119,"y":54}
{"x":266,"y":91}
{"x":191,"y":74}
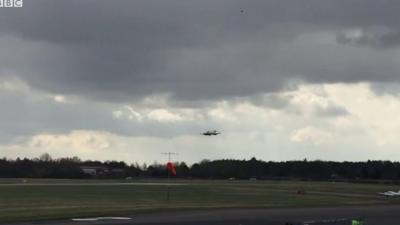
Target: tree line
{"x":46,"y":167}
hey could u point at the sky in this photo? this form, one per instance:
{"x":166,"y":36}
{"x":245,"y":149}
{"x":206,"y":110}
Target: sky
{"x":128,"y":80}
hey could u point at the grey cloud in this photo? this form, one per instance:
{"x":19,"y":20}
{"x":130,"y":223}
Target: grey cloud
{"x":271,"y":101}
{"x":331,"y":111}
{"x":194,"y":50}
{"x":380,"y":38}
{"x":24,"y":114}
{"x":382,"y":88}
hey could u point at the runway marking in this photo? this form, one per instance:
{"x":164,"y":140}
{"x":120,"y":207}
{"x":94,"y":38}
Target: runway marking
{"x":101,"y":218}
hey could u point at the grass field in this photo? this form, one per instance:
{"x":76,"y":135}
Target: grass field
{"x":53,"y":199}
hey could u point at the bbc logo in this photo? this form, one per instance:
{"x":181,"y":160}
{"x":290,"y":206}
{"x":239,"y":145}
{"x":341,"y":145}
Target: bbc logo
{"x":11,"y":3}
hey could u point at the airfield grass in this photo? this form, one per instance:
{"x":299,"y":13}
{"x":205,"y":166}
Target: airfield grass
{"x":51,"y":199}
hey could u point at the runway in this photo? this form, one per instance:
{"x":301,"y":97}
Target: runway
{"x":95,"y":184}
{"x":373,"y":215}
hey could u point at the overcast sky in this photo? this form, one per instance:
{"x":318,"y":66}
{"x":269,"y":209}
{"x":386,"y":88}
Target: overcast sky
{"x":128,"y":80}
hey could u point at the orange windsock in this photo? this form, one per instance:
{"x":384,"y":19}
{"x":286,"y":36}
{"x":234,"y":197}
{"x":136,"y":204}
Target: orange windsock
{"x":171,"y":168}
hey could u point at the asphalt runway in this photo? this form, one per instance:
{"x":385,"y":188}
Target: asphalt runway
{"x":373,"y":215}
{"x":96,"y":184}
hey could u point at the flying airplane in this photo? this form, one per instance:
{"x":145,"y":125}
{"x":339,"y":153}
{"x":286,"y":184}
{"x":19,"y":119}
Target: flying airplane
{"x":390,"y":193}
{"x":211,"y":133}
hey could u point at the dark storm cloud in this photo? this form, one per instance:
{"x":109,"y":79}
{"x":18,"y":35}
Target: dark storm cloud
{"x":122,"y":50}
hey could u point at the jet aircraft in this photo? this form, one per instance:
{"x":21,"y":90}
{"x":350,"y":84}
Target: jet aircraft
{"x":211,"y":133}
{"x":390,"y":193}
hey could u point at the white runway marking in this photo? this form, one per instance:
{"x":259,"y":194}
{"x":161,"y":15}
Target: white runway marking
{"x":101,"y":218}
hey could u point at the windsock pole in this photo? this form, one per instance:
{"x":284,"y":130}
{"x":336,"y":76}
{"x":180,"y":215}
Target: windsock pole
{"x":169,"y":173}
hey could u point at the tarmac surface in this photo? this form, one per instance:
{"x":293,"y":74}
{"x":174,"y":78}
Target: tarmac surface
{"x":372,"y":215}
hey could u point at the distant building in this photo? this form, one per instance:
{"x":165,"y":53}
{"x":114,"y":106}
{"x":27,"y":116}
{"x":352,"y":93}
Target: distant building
{"x":94,"y":170}
{"x":118,"y":171}
{"x":97,"y":171}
